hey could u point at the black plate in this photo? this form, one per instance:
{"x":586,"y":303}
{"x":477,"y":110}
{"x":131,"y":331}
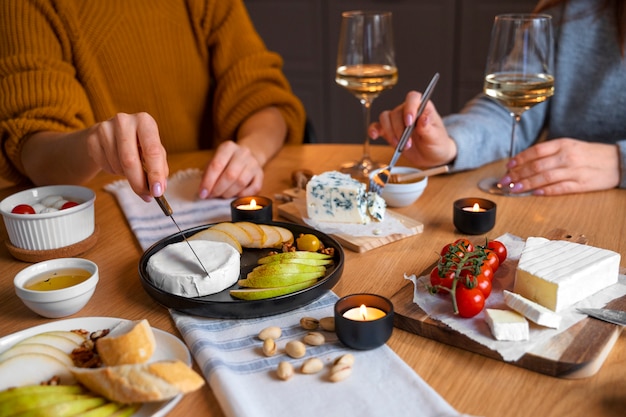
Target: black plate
{"x":222,"y":304}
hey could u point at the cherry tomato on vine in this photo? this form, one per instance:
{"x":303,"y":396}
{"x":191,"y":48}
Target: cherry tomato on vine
{"x":464,"y":244}
{"x":442,"y":281}
{"x":491,"y":259}
{"x":499,"y":249}
{"x":469,"y":301}
{"x":23,"y":209}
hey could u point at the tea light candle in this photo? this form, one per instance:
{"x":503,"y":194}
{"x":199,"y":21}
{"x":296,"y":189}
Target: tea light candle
{"x":253,"y":209}
{"x":474,"y":216}
{"x":363,"y":321}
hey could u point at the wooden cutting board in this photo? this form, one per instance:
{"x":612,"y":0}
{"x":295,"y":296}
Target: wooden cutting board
{"x":291,"y":211}
{"x":579,"y":352}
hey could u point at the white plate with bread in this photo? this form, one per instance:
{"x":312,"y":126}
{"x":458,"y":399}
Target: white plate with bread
{"x":168,"y":347}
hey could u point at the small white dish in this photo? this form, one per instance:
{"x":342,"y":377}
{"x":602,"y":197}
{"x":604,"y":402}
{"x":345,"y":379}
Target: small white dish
{"x":403,"y":194}
{"x":54,"y":229}
{"x":55,"y":303}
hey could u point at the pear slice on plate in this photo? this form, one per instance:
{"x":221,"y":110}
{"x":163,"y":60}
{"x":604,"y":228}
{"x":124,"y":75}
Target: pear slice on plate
{"x":60,"y":342}
{"x":243,"y":237}
{"x":258,"y":235}
{"x":41,"y":348}
{"x":273,"y":239}
{"x":264,"y":293}
{"x":218,"y":236}
{"x":32,"y":369}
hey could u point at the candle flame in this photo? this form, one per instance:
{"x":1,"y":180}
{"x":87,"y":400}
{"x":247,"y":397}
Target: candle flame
{"x":476,"y":207}
{"x":363,"y":311}
{"x":253,"y":203}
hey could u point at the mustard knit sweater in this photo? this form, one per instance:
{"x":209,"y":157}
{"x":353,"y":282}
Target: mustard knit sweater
{"x":197,"y":66}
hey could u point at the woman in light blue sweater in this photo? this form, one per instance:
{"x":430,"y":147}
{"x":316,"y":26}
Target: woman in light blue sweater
{"x":585,"y":120}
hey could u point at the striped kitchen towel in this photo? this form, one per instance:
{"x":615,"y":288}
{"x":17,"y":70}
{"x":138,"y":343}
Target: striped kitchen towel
{"x":147,"y":220}
{"x":244,"y":380}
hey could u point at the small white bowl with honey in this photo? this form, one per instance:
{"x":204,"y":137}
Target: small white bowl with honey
{"x":58,"y":287}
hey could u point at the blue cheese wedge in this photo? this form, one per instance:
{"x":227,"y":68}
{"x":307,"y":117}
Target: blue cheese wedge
{"x":336,"y":197}
{"x":557,"y":274}
{"x":176,"y":270}
{"x":531,"y":310}
{"x":507,"y":325}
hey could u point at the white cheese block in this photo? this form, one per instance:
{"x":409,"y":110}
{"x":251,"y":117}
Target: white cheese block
{"x":176,"y":270}
{"x":557,"y":274}
{"x":338,"y":198}
{"x":507,"y":325}
{"x":531,"y":310}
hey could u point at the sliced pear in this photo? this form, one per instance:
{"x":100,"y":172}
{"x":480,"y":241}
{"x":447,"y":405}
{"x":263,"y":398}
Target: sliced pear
{"x":273,"y":239}
{"x":285,"y":268}
{"x":255,"y":231}
{"x":45,"y":349}
{"x":23,"y":403}
{"x":243,"y":237}
{"x":32,"y":369}
{"x":285,"y":234}
{"x":293,"y":255}
{"x":68,"y":334}
{"x":302,"y":261}
{"x":264,"y":293}
{"x":36,"y":390}
{"x":66,"y":409}
{"x":269,"y":281}
{"x":105,"y":410}
{"x":59,"y":342}
{"x":218,"y":236}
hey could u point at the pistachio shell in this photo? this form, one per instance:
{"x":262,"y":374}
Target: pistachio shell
{"x":314,"y":339}
{"x":272,"y":332}
{"x":284,"y":370}
{"x":295,"y":349}
{"x":309,"y":323}
{"x":312,"y":366}
{"x":328,"y":324}
{"x":269,"y":347}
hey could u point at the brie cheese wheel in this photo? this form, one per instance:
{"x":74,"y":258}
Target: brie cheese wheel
{"x":531,"y":310}
{"x":176,"y":270}
{"x":557,"y":274}
{"x":338,"y":198}
{"x":507,"y":325}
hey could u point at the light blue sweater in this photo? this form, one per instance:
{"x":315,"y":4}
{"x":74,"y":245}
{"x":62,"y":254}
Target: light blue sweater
{"x":589,"y":101}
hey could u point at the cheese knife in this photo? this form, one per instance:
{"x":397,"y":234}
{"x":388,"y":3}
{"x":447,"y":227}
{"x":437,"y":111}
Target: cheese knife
{"x":605,"y":314}
{"x":167,"y":210}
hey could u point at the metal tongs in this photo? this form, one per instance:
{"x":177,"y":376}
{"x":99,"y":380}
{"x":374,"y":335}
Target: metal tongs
{"x":381,"y":177}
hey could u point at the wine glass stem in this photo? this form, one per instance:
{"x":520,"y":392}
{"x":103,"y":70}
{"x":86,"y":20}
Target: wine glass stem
{"x":367,"y":107}
{"x":516,"y":119}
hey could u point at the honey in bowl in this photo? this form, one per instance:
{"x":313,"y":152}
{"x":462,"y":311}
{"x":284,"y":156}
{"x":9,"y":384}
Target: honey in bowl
{"x":57,"y":280}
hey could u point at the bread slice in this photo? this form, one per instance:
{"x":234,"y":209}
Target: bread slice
{"x":138,"y":383}
{"x":129,"y":342}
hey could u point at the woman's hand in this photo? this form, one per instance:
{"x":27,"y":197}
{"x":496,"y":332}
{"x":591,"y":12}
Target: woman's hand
{"x":564,"y":166}
{"x":233,"y":171}
{"x":429,"y":144}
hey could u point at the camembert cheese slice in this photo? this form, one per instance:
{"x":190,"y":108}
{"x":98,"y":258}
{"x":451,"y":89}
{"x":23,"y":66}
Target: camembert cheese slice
{"x":507,"y":325}
{"x":531,"y":310}
{"x":557,"y":274}
{"x":175,"y":269}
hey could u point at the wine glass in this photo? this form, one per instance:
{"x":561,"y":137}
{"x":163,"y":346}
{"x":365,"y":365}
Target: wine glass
{"x":365,"y":67}
{"x":519,"y":71}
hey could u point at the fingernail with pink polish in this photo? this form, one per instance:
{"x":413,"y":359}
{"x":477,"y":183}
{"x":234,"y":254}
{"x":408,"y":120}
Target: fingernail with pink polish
{"x":512,"y":163}
{"x":157,"y":189}
{"x":204,"y":193}
{"x":409,"y":120}
{"x":505,"y":181}
{"x":517,"y":187}
{"x":539,"y":192}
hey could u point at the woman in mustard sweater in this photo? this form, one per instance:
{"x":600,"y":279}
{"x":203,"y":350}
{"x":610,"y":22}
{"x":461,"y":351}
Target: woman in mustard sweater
{"x":91,"y":85}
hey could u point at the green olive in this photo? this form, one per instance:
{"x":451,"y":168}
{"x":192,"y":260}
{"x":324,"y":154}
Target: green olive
{"x":308,"y":242}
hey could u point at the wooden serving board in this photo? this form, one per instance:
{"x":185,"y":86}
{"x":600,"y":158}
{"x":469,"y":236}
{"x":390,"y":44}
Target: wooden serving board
{"x":578,"y":352}
{"x":291,"y":211}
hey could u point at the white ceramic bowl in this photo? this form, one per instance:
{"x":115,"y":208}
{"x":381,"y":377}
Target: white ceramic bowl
{"x":401,"y":195}
{"x":56,"y":303}
{"x":53,"y":230}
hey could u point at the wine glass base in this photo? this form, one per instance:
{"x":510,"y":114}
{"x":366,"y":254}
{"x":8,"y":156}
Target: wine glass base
{"x":360,"y":170}
{"x":491,"y":186}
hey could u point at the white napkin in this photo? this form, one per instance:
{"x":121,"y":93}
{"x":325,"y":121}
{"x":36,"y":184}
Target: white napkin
{"x":477,"y":329}
{"x":245,"y":382}
{"x":149,"y":223}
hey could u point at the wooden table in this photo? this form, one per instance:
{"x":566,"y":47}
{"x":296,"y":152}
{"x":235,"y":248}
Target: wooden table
{"x":471,"y":383}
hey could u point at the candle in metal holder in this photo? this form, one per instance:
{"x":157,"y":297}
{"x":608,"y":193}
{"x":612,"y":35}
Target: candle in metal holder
{"x":474,"y":216}
{"x":363,"y":321}
{"x":251,"y":209}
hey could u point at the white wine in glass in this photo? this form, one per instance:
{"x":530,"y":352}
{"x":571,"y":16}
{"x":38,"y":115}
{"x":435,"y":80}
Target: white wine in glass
{"x":365,"y":67}
{"x":519,"y":72}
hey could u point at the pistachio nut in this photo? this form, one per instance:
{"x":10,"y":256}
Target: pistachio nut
{"x":312,"y":366}
{"x":328,"y":324}
{"x":295,"y":349}
{"x":309,"y":323}
{"x":272,"y":332}
{"x":269,"y":347}
{"x":314,"y":339}
{"x":284,"y":370}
